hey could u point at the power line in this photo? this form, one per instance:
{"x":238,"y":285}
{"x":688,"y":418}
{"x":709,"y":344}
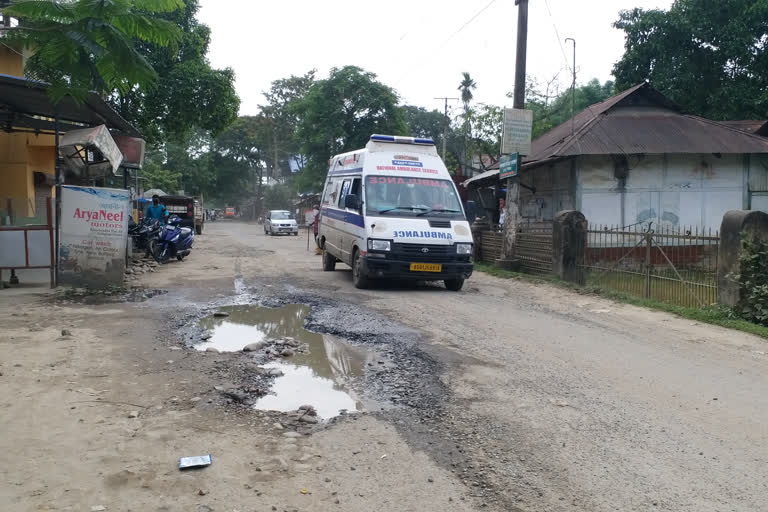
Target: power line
{"x":557,"y":34}
{"x":447,"y":40}
{"x":465,"y":25}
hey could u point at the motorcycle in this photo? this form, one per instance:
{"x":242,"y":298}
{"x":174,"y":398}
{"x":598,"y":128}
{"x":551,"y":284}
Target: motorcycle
{"x":143,"y":233}
{"x":172,"y":240}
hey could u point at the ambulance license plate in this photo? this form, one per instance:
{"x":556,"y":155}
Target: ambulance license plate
{"x":426,"y":267}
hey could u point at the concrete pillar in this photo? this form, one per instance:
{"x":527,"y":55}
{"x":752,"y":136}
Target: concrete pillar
{"x":569,"y":236}
{"x":736,"y":225}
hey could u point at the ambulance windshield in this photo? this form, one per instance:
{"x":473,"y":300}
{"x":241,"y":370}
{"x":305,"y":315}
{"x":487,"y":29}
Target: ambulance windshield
{"x":412,"y":197}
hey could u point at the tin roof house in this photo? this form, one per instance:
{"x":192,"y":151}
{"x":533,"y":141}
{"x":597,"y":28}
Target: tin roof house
{"x":638,"y":158}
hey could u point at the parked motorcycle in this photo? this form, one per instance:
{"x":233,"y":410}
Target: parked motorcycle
{"x":172,"y":240}
{"x":143,"y":233}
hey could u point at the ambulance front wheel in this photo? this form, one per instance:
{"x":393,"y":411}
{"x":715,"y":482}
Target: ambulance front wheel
{"x":454,"y":284}
{"x":359,"y":278}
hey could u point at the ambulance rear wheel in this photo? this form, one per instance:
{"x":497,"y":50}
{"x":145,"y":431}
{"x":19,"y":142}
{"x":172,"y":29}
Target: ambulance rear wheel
{"x":358,"y":278}
{"x":329,"y":262}
{"x":454,"y":284}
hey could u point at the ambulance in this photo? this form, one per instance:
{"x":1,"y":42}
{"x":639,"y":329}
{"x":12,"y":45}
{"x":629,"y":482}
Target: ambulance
{"x":391,"y":211}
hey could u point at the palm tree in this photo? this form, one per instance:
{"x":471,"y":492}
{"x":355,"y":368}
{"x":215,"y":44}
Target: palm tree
{"x":466,"y":86}
{"x":90,"y":44}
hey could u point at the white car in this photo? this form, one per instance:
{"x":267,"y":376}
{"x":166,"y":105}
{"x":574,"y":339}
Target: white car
{"x":280,"y":221}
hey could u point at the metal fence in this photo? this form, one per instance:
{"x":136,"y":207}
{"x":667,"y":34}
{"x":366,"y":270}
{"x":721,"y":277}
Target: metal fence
{"x":533,"y":247}
{"x":673,"y":265}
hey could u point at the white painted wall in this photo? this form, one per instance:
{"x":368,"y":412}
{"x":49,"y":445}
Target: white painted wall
{"x":668,"y":190}
{"x":555,"y":191}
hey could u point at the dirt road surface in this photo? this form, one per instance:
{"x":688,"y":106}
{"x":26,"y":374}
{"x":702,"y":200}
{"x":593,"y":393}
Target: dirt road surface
{"x":505,"y":396}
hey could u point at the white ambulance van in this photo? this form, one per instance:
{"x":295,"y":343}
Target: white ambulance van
{"x":391,"y":211}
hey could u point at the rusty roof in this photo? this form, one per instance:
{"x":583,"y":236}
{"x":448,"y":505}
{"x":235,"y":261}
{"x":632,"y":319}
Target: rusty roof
{"x":640,"y":120}
{"x":749,"y":126}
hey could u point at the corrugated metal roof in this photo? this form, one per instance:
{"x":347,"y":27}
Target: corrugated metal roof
{"x":30,"y":97}
{"x":749,"y":126}
{"x":640,"y":120}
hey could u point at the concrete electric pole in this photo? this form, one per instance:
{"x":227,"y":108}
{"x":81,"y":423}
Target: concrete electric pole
{"x":512,"y":206}
{"x":447,"y":122}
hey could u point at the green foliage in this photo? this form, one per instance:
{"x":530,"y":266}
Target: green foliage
{"x":339,"y":114}
{"x":753,"y":280}
{"x":425,"y":123}
{"x":551,"y":104}
{"x":281,"y":97}
{"x":189,"y":94}
{"x":708,"y":56}
{"x":81,"y":45}
{"x":157,"y":177}
{"x":279,"y":197}
{"x":466,"y":87}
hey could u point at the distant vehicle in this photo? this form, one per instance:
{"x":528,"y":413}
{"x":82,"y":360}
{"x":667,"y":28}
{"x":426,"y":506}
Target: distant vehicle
{"x":229,"y":212}
{"x":391,"y":211}
{"x":280,"y":221}
{"x":185,"y":208}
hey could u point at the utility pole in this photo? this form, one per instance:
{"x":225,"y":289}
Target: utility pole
{"x":512,"y":206}
{"x":447,"y":122}
{"x":573,"y":85}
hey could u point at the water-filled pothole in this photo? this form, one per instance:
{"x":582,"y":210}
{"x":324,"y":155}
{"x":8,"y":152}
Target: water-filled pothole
{"x":318,"y":371}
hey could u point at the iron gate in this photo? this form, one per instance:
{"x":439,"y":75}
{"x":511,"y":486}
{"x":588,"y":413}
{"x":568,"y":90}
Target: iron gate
{"x":673,"y":265}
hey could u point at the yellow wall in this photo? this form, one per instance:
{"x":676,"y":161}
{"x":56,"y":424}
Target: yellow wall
{"x":11,"y":63}
{"x":21,"y":155}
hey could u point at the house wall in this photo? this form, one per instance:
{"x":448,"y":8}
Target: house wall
{"x":21,"y":155}
{"x":555,"y":186}
{"x":691,"y":190}
{"x":11,"y":63}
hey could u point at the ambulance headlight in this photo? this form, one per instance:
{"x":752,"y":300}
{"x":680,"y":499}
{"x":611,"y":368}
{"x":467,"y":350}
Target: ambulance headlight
{"x":379,"y":245}
{"x":463,"y":248}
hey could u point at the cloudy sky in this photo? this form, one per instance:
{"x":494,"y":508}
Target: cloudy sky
{"x":419,"y":47}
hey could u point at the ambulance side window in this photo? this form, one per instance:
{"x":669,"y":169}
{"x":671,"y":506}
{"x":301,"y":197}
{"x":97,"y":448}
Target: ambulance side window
{"x":344,"y":192}
{"x":356,"y":188}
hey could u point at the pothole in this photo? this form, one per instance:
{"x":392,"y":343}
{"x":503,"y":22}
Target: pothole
{"x":309,"y":368}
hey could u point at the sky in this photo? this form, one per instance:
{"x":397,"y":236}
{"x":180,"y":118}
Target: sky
{"x":418,"y":47}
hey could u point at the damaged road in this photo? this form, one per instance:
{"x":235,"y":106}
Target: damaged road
{"x":507,"y":396}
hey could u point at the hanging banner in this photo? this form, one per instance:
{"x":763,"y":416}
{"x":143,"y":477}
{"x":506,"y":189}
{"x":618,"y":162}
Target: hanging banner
{"x":94,"y":235}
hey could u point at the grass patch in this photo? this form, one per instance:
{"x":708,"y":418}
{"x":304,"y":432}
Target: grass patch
{"x":715,"y":315}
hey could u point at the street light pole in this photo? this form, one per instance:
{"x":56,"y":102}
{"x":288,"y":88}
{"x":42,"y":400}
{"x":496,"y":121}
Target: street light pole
{"x":573,"y":84}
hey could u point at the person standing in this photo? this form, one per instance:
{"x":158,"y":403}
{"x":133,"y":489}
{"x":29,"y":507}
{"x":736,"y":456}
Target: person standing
{"x":315,"y":227}
{"x":156,"y":211}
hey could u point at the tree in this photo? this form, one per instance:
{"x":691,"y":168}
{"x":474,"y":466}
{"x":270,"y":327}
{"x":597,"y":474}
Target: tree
{"x":238,"y":157}
{"x":466,"y":87}
{"x":710,"y":57}
{"x":81,"y":45}
{"x":281,"y":97}
{"x":551,"y":104}
{"x":339,"y":114}
{"x":425,"y":123}
{"x":189,"y":94}
{"x":484,"y":144}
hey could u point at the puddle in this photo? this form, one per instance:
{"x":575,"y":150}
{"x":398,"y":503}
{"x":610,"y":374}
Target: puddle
{"x":317,"y":376}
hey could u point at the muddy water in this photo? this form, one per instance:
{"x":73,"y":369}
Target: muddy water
{"x":317,"y":376}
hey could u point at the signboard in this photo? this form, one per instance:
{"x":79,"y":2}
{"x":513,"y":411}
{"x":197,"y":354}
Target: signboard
{"x":94,"y":235}
{"x":516,"y":137}
{"x":508,"y":166}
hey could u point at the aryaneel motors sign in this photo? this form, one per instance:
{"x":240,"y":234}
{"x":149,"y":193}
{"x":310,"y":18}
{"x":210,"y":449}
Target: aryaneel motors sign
{"x":94,"y":235}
